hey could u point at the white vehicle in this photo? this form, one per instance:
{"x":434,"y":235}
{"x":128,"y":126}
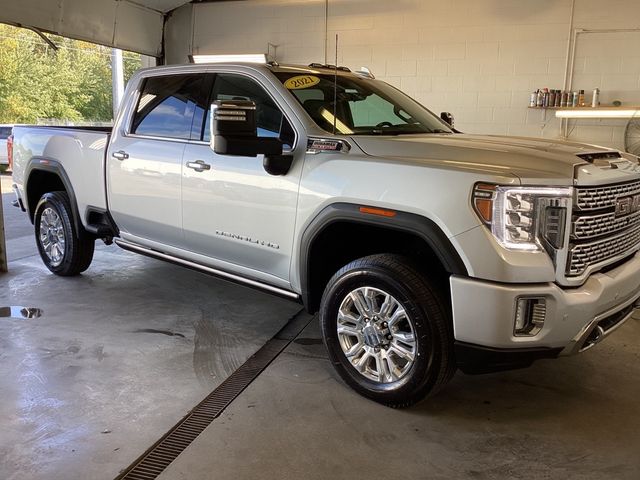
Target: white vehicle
{"x":5,"y":131}
{"x":423,"y":249}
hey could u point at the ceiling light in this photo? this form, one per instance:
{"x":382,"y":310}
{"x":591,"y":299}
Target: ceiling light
{"x":245,"y":58}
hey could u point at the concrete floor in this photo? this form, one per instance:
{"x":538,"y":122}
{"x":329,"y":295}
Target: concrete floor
{"x":124,"y":351}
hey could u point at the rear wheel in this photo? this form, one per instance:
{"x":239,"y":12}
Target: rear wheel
{"x":387,"y":330}
{"x":64,"y":250}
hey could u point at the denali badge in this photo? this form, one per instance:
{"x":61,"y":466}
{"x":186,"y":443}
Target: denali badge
{"x":244,"y":238}
{"x":627,"y":205}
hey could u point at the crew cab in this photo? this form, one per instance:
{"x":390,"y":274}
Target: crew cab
{"x":423,"y":249}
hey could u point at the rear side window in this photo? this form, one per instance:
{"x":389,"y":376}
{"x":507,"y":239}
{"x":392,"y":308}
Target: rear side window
{"x":5,"y":132}
{"x":167,"y":105}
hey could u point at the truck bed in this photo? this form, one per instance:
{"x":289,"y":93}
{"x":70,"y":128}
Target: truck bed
{"x":79,"y":153}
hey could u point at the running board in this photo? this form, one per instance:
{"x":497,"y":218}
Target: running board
{"x":132,"y":247}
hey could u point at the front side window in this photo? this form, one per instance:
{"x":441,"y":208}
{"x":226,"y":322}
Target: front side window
{"x":167,"y":106}
{"x":359,"y":106}
{"x":269,"y":118}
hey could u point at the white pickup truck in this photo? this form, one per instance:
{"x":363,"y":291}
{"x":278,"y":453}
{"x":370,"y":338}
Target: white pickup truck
{"x":423,"y":249}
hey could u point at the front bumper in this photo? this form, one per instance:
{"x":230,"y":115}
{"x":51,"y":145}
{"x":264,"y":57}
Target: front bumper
{"x":576,"y":319}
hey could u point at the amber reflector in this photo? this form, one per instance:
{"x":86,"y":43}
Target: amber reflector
{"x":484,"y":208}
{"x":377,"y":211}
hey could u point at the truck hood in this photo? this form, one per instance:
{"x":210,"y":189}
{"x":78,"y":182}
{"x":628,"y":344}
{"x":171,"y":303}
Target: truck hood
{"x":526,"y":158}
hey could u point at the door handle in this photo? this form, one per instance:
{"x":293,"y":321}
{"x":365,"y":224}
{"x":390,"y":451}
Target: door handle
{"x":199,"y":166}
{"x":120,"y":155}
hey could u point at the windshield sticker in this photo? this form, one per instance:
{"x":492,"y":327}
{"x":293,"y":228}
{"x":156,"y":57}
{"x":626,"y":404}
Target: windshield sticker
{"x":301,"y":81}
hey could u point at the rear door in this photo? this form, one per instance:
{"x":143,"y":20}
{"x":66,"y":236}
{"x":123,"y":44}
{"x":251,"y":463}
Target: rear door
{"x":145,"y":168}
{"x":233,"y":210}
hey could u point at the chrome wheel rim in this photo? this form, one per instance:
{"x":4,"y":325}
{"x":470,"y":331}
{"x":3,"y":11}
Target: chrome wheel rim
{"x":52,"y":236}
{"x":376,"y":335}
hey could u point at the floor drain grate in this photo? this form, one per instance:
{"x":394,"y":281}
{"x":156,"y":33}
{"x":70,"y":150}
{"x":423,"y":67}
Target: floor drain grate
{"x":155,"y":460}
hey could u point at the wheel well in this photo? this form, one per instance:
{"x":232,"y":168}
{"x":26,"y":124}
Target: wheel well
{"x":342,"y":242}
{"x":39,"y":183}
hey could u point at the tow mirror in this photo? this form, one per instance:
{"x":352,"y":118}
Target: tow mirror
{"x":447,"y":118}
{"x":234,"y":130}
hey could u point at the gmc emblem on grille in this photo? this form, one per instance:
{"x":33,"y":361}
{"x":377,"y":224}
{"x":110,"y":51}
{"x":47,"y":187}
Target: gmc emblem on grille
{"x":627,"y":205}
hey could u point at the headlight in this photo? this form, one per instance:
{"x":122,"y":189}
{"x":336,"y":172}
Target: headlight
{"x":524,"y":218}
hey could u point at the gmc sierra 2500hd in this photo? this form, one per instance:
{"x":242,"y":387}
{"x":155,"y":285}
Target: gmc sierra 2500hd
{"x":423,"y":249}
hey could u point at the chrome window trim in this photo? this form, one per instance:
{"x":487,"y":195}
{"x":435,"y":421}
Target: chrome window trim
{"x":164,"y":139}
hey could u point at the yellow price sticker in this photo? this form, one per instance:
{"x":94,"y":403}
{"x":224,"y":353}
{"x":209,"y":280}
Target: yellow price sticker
{"x":301,"y":81}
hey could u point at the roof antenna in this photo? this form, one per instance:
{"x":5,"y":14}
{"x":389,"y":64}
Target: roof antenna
{"x":335,"y":89}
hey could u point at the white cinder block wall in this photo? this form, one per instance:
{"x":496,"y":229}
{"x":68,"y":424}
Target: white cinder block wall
{"x":479,"y":59}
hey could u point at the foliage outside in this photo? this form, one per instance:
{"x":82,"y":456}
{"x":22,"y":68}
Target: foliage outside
{"x":70,"y":84}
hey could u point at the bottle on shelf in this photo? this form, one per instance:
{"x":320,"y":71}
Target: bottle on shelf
{"x":563,"y":101}
{"x":533,"y":99}
{"x":581,"y":98}
{"x":540,"y":99}
{"x":552,"y":98}
{"x":574,"y":99}
{"x":595,"y":101}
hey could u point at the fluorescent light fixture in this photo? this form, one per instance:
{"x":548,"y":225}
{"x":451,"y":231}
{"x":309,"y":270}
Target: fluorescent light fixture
{"x":599,"y":113}
{"x":243,"y":57}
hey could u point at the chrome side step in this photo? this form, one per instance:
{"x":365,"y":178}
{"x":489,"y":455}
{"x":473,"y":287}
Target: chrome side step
{"x":133,"y":247}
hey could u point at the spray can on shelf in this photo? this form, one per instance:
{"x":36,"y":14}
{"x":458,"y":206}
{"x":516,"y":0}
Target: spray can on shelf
{"x":574,"y":99}
{"x":595,"y":101}
{"x":533,"y":99}
{"x":545,"y":102}
{"x":558,"y":98}
{"x":540,"y":99}
{"x":565,"y":97}
{"x":552,"y":98}
{"x":581,"y":98}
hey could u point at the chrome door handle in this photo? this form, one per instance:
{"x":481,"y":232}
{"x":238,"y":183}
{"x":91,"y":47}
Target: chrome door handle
{"x":120,"y":155}
{"x":199,"y":166}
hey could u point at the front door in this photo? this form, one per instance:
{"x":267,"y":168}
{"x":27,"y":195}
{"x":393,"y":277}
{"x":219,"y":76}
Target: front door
{"x":233,"y":211}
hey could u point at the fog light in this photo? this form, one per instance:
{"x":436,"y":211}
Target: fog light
{"x":530,"y":315}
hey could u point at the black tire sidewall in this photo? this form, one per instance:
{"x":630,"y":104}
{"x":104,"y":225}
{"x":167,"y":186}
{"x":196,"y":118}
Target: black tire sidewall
{"x":59,"y":202}
{"x":425,"y":369}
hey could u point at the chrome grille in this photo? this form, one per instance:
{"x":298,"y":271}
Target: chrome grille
{"x":584,"y":255}
{"x":601,"y":238}
{"x":607,"y":223}
{"x":594,"y":198}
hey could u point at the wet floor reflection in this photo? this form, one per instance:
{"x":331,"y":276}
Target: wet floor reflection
{"x":20,"y":312}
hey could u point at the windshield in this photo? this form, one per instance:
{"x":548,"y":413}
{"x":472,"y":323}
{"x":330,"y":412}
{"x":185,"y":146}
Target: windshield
{"x":364,"y":106}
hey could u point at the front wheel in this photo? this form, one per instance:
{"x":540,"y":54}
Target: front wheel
{"x":387,"y":331}
{"x":63,"y":250}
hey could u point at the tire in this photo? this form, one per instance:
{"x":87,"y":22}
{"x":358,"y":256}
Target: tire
{"x":64,"y":250}
{"x":395,"y":344}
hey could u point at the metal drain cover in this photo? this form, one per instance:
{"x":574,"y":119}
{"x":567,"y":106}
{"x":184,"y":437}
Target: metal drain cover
{"x":155,"y":460}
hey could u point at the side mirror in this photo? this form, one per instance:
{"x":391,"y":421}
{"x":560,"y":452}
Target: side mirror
{"x":234,"y":130}
{"x":447,"y":118}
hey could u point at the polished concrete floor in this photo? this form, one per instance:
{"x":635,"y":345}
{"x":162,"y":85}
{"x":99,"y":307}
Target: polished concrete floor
{"x":121,"y":353}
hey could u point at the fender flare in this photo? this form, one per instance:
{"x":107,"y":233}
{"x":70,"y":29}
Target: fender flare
{"x":422,"y":227}
{"x":41,"y":164}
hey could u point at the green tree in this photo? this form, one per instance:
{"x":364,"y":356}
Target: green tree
{"x":38,"y":82}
